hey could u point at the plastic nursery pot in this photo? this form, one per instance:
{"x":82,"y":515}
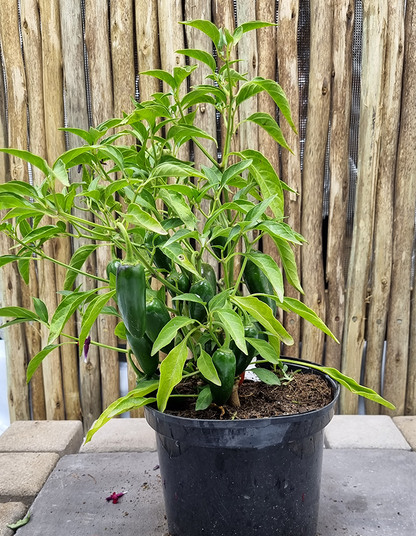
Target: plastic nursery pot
{"x":242,"y":478}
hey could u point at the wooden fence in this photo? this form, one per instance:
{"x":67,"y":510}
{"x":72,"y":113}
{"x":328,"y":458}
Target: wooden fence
{"x":76,"y":62}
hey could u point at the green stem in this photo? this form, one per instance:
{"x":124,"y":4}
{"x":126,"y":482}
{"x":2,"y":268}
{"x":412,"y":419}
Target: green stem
{"x":129,"y":248}
{"x":101,"y":345}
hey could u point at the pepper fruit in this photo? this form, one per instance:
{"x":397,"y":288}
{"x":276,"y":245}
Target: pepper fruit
{"x":257,"y":282}
{"x":160,"y":260}
{"x":180,"y":281}
{"x":112,"y":267}
{"x":203,"y":289}
{"x":142,"y":350}
{"x":224,"y":363}
{"x":157,"y":316}
{"x":131,"y":298}
{"x":208,"y":273}
{"x":242,"y":360}
{"x":218,"y":245}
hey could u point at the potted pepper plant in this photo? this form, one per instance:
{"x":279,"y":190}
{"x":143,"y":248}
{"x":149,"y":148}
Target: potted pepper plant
{"x":223,"y":472}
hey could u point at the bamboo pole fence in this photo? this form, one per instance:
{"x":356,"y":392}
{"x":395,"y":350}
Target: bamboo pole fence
{"x":77,"y":63}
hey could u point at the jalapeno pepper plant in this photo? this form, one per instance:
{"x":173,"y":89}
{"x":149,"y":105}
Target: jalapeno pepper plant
{"x":144,"y":202}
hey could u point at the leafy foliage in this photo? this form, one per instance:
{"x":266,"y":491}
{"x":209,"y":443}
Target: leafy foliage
{"x":168,"y":241}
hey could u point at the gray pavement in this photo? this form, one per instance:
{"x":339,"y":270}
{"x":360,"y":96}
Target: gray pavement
{"x":364,"y":492}
{"x":368,"y":485}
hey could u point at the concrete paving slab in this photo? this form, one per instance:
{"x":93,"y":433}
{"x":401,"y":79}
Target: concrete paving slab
{"x":22,"y":475}
{"x":407,"y":426}
{"x":364,"y":432}
{"x":62,"y":437}
{"x":122,"y":435}
{"x":10,"y":513}
{"x":73,"y":501}
{"x":366,"y":492}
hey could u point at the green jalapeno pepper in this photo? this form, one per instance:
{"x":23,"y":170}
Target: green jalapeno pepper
{"x":224,"y":363}
{"x":142,"y":350}
{"x":160,"y":260}
{"x":208,"y":273}
{"x":242,"y":360}
{"x":112,"y":267}
{"x":203,"y":289}
{"x":257,"y":282}
{"x":180,"y":281}
{"x":131,"y":298}
{"x":157,"y":316}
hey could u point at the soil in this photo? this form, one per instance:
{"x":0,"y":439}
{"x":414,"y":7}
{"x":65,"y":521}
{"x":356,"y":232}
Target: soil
{"x":305,"y":392}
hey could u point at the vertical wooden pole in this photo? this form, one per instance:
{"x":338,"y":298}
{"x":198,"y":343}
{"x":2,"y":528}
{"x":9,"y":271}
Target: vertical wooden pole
{"x":205,"y":117}
{"x":398,"y":324}
{"x":247,"y":51}
{"x":16,"y":347}
{"x":374,"y":36}
{"x":14,"y":338}
{"x":32,"y":47}
{"x":410,"y":407}
{"x":339,"y":172}
{"x":383,"y":225}
{"x":147,"y":45}
{"x":267,"y":62}
{"x":320,"y":74}
{"x":287,"y":57}
{"x":122,"y":49}
{"x":101,"y":87}
{"x":77,"y":115}
{"x":55,"y":145}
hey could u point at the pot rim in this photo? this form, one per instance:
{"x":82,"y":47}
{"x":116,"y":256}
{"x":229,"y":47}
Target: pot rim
{"x":188,"y":422}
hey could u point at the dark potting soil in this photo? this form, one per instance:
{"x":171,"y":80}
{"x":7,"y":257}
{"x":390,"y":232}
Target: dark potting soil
{"x":305,"y":392}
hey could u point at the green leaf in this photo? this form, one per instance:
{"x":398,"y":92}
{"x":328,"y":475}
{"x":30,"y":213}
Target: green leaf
{"x":143,"y":219}
{"x":266,"y":376}
{"x":77,"y":261}
{"x":266,"y":122}
{"x":296,"y":306}
{"x":265,"y":349}
{"x":247,"y":90}
{"x":204,"y":399}
{"x":80,"y":133}
{"x":11,"y":200}
{"x":200,"y":55}
{"x":110,"y":310}
{"x":169,"y":332}
{"x":23,"y":265}
{"x":254,"y":25}
{"x":207,"y":27}
{"x":289,"y":263}
{"x":234,"y":170}
{"x":39,"y":357}
{"x":270,"y":269}
{"x":59,"y":172}
{"x":281,"y":230}
{"x":120,"y":331}
{"x":182,"y":133}
{"x":33,"y":159}
{"x":180,"y":235}
{"x":347,"y":382}
{"x":14,"y":322}
{"x":91,"y":314}
{"x":169,"y":169}
{"x":264,"y":315}
{"x":189,"y":297}
{"x":258,"y":210}
{"x":41,"y":309}
{"x":279,"y":97}
{"x":207,"y":369}
{"x":42,"y":233}
{"x":18,"y":312}
{"x":181,"y":73}
{"x":144,"y":388}
{"x":5,"y":259}
{"x":233,"y":325}
{"x":19,"y":188}
{"x":176,"y":254}
{"x":197,"y":96}
{"x":267,"y":179}
{"x":171,"y":370}
{"x":162,"y":75}
{"x":65,"y":310}
{"x":131,"y":403}
{"x":21,"y":522}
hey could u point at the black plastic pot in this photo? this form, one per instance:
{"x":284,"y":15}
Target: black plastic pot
{"x":240,"y":478}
